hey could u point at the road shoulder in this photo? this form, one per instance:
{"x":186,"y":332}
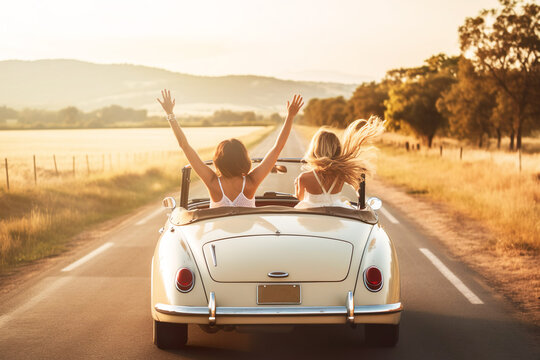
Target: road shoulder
{"x":511,"y":275}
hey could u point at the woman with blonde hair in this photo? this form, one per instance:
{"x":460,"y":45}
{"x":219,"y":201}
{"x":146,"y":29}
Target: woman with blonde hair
{"x":234,"y":183}
{"x":331,"y":164}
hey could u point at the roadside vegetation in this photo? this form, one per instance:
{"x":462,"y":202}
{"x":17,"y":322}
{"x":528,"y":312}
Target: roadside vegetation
{"x":116,"y":116}
{"x":483,"y":185}
{"x":39,"y":221}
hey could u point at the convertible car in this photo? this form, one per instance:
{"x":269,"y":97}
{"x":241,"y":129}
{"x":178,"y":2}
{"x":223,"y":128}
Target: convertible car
{"x":273,"y":265}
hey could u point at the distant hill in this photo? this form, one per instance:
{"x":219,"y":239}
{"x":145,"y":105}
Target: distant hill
{"x":54,"y":84}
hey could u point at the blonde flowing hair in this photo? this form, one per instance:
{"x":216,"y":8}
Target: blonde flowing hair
{"x":345,"y":161}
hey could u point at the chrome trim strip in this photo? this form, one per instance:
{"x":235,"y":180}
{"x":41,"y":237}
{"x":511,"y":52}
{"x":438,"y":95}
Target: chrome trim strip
{"x":213,"y":251}
{"x":277,"y":310}
{"x":350,"y":307}
{"x":278,"y":274}
{"x":212,"y":309}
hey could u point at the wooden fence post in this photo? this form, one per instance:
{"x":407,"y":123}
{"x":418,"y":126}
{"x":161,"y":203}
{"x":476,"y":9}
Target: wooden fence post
{"x":441,"y":150}
{"x":55,"y":167}
{"x":87,"y":164}
{"x":35,"y":171}
{"x":461,"y":153}
{"x":7,"y":175}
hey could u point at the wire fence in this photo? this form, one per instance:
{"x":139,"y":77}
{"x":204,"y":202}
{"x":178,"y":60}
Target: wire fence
{"x":40,"y":170}
{"x":516,"y":161}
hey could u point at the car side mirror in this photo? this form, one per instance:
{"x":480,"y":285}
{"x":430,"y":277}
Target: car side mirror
{"x":374,"y":203}
{"x":169,"y":203}
{"x":279,"y":169}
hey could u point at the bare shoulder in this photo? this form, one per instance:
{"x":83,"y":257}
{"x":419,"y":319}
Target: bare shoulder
{"x":307,"y":179}
{"x":305,"y":176}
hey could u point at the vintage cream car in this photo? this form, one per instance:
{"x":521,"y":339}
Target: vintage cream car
{"x":231,"y":267}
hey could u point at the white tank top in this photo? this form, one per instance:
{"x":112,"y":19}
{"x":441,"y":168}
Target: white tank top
{"x":325,"y":199}
{"x":241,"y":199}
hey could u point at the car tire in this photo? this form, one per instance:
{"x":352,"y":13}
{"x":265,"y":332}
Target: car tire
{"x":386,"y":335}
{"x":170,"y":335}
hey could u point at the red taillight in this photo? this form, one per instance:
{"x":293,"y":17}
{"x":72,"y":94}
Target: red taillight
{"x":373,"y":278}
{"x":184,"y":280}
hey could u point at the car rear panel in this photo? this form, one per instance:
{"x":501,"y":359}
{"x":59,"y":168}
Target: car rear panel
{"x":321,"y":254}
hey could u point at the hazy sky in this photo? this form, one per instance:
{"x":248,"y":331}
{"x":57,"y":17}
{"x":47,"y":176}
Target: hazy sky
{"x":339,"y":40}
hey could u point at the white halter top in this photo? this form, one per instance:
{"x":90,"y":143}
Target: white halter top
{"x":241,"y":199}
{"x":325,"y":199}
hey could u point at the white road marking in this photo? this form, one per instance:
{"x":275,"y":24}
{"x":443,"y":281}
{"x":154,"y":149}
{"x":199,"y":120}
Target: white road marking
{"x":87,"y":257}
{"x":34,"y":300}
{"x":389,"y":216}
{"x":153,"y":214}
{"x":469,"y":295}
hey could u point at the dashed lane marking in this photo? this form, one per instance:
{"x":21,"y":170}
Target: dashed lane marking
{"x":88,"y":257}
{"x":463,"y":289}
{"x":389,"y":216}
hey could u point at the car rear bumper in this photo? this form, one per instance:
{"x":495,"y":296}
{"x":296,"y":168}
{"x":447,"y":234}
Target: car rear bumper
{"x":386,"y":314}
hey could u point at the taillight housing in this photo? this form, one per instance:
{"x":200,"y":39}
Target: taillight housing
{"x":184,"y":280}
{"x":373,"y":279}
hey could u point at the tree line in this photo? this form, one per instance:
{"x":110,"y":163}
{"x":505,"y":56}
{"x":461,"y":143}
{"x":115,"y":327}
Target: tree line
{"x":492,"y":89}
{"x":118,"y":116}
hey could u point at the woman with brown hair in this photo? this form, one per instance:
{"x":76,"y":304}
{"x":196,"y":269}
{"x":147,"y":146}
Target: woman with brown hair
{"x":234,"y":183}
{"x":331,"y":163}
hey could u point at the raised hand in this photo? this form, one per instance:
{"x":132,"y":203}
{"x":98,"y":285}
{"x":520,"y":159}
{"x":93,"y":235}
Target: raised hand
{"x":167,"y":104}
{"x":294,"y":107}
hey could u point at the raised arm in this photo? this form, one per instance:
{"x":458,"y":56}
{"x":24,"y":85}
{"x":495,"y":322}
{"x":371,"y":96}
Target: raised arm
{"x":206,"y":174}
{"x":258,"y":174}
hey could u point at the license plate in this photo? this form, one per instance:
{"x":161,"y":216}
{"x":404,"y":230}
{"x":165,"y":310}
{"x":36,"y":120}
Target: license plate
{"x":278,"y":294}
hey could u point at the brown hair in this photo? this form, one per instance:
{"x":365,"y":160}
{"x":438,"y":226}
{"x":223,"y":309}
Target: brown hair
{"x":349,"y":161}
{"x":231,"y":158}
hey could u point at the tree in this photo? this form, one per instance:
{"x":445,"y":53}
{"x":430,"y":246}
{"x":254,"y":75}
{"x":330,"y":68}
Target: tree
{"x":312,"y":113}
{"x":504,"y":117}
{"x":7,"y":113}
{"x":505,"y":43}
{"x":70,"y":115}
{"x":336,"y":111}
{"x":469,"y":104}
{"x":413,"y":96}
{"x":329,"y":111}
{"x":368,"y":99}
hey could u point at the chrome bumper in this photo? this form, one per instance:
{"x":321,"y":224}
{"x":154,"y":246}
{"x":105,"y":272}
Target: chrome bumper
{"x":212,"y":312}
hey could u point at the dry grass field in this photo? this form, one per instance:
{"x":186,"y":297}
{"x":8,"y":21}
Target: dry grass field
{"x":108,"y":151}
{"x":37,"y":221}
{"x":485,"y":185}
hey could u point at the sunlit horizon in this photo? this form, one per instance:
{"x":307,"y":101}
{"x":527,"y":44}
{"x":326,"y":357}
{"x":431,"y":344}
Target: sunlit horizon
{"x":343,"y":41}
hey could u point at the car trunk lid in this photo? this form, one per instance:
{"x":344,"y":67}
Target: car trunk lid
{"x":253,"y":258}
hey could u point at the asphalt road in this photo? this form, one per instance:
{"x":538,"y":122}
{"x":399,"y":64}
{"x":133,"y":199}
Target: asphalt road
{"x":95,"y":303}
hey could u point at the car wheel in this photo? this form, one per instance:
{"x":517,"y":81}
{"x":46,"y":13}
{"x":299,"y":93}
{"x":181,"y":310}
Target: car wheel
{"x":170,"y":335}
{"x":382,"y":334}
